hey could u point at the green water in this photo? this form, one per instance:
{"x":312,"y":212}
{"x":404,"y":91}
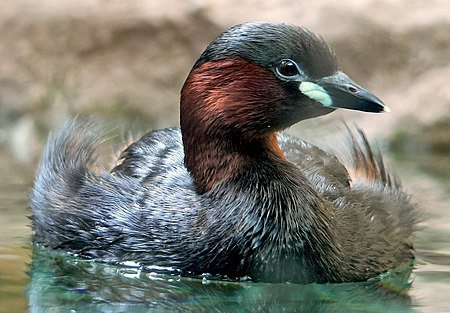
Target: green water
{"x":43,"y":281}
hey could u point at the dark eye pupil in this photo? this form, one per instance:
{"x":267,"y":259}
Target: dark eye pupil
{"x":287,"y":68}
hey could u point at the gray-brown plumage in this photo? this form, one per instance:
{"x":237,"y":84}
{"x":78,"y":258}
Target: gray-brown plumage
{"x":226,"y":194}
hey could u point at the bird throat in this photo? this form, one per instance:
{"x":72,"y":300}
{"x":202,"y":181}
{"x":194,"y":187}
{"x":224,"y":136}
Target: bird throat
{"x":211,"y":160}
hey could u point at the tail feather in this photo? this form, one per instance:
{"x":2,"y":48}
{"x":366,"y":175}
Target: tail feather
{"x":69,"y":160}
{"x":375,"y":184}
{"x":367,"y":163}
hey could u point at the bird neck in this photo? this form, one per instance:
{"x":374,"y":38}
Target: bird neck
{"x":226,"y":113}
{"x":213,"y":159}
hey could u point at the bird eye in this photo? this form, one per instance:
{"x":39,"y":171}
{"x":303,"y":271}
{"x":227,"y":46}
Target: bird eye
{"x":287,"y":68}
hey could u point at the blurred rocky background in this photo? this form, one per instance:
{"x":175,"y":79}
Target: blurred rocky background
{"x":125,"y":61}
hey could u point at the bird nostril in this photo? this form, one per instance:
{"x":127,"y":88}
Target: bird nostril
{"x":352,"y":89}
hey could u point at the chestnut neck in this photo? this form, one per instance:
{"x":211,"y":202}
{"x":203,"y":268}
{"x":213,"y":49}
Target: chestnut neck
{"x":225,"y":120}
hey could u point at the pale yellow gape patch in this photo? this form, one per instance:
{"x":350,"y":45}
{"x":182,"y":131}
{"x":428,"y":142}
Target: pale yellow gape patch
{"x":316,"y":93}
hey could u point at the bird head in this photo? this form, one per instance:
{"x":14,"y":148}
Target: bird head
{"x":260,"y":77}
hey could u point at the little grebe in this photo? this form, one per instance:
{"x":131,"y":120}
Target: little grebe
{"x":226,"y":194}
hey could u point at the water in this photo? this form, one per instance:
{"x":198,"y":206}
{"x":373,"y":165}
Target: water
{"x":44,"y":281}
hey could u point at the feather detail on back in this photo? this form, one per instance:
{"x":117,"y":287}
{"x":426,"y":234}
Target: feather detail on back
{"x":366,"y":163}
